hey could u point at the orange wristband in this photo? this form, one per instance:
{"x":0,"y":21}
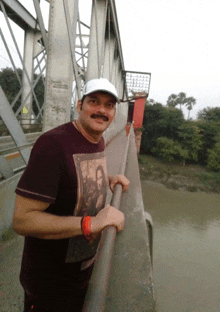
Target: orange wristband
{"x":86,"y":226}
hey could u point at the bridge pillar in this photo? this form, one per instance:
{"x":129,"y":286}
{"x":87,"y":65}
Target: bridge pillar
{"x":108,"y":58}
{"x":59,"y":79}
{"x":97,"y":39}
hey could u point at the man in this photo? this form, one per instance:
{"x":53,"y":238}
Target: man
{"x":53,"y":195}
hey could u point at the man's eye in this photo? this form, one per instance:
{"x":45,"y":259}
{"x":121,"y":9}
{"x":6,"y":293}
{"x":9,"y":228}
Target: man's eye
{"x":110,"y":105}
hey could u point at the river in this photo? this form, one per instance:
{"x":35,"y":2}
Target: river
{"x":186,"y":250}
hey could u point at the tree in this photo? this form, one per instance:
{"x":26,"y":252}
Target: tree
{"x":189,"y":102}
{"x":181,"y":99}
{"x":210,"y":131}
{"x":159,"y":121}
{"x":10,"y":85}
{"x":168,"y":150}
{"x":190,"y":139}
{"x":209,"y":114}
{"x":172,"y":100}
{"x":214,"y":158}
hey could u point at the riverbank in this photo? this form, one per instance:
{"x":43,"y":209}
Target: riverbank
{"x":191,"y":178}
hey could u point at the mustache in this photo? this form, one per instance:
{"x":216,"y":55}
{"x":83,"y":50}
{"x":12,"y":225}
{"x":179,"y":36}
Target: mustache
{"x":105,"y":118}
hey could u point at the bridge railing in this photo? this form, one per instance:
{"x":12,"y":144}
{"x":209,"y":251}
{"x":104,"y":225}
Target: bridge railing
{"x":96,"y":297}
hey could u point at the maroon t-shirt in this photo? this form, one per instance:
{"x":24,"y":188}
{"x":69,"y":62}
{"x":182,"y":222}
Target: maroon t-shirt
{"x":69,"y":172}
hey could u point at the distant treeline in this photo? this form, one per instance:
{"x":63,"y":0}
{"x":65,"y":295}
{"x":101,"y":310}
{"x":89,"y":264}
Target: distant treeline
{"x":169,"y":137}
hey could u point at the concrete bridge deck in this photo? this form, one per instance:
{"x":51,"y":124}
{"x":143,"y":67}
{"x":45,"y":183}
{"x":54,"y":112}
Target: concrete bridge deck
{"x":131,"y":285}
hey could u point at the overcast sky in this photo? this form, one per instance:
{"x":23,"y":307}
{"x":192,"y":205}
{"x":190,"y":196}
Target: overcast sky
{"x":178,"y":42}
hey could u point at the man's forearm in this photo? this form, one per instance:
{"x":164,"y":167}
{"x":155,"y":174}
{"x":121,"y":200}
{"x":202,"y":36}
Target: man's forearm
{"x":47,"y":226}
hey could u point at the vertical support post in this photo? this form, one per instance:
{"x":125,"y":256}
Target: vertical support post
{"x":109,"y":57}
{"x":59,"y":79}
{"x":97,"y":37}
{"x":28,"y":63}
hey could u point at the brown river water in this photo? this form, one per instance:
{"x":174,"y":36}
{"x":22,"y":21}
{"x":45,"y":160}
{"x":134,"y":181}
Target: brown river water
{"x":186,"y":248}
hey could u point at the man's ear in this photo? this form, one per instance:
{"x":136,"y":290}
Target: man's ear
{"x":79,"y":106}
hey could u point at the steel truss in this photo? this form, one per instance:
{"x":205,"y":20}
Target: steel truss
{"x":62,"y":59}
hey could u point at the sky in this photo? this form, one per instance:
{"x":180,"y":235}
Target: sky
{"x":178,"y":42}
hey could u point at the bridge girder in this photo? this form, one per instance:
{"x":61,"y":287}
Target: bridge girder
{"x":70,"y":53}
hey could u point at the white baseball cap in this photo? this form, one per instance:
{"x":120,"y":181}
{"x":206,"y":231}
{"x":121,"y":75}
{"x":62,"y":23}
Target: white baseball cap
{"x":100,"y":84}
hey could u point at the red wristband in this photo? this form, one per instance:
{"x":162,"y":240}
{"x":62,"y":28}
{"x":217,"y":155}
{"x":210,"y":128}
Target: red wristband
{"x":86,"y":226}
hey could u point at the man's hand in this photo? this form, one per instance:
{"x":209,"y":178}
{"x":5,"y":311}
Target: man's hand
{"x":113,"y":180}
{"x":105,"y":217}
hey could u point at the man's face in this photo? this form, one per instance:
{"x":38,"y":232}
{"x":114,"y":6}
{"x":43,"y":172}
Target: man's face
{"x":97,"y":112}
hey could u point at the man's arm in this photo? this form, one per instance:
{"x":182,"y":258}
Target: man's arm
{"x":30,"y":218}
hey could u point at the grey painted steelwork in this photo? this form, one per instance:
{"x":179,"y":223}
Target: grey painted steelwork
{"x":59,"y":68}
{"x":13,"y":126}
{"x":28,"y":78}
{"x":27,"y":63}
{"x":62,"y":65}
{"x":17,"y":12}
{"x":41,"y":23}
{"x":82,"y":60}
{"x":97,"y":39}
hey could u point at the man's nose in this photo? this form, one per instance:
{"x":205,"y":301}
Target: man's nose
{"x":101,"y":108}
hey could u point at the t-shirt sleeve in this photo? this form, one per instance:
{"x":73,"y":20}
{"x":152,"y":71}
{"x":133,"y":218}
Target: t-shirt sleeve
{"x":41,"y":178}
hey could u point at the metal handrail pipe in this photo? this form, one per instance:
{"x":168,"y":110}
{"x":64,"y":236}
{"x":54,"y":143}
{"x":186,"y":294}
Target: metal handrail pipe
{"x":98,"y":286}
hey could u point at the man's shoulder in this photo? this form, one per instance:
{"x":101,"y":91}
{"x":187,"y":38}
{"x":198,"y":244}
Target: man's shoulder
{"x":52,"y":139}
{"x":57,"y":133}
{"x":59,"y":130}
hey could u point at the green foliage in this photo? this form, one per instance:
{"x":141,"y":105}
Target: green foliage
{"x":210,"y":131}
{"x":211,"y":114}
{"x":181,"y":99}
{"x":159,"y":121}
{"x":190,"y":139}
{"x":11,"y":87}
{"x":174,"y":100}
{"x":169,"y":150}
{"x":195,"y":138}
{"x":214,"y":158}
{"x":10,"y":84}
{"x":189,"y":102}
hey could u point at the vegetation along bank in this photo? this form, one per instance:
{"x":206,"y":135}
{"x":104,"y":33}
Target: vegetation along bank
{"x":181,"y":154}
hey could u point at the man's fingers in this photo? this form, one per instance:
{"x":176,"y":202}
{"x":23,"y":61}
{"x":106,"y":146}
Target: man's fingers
{"x":120,"y":179}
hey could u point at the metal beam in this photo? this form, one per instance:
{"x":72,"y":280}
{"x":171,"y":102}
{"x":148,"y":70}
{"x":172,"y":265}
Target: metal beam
{"x":19,"y":15}
{"x":13,"y":126}
{"x":41,"y":23}
{"x":97,"y":39}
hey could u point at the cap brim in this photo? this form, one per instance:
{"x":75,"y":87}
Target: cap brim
{"x":106,"y":91}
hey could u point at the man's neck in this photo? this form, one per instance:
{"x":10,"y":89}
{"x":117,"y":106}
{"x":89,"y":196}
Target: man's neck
{"x":91,"y":137}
